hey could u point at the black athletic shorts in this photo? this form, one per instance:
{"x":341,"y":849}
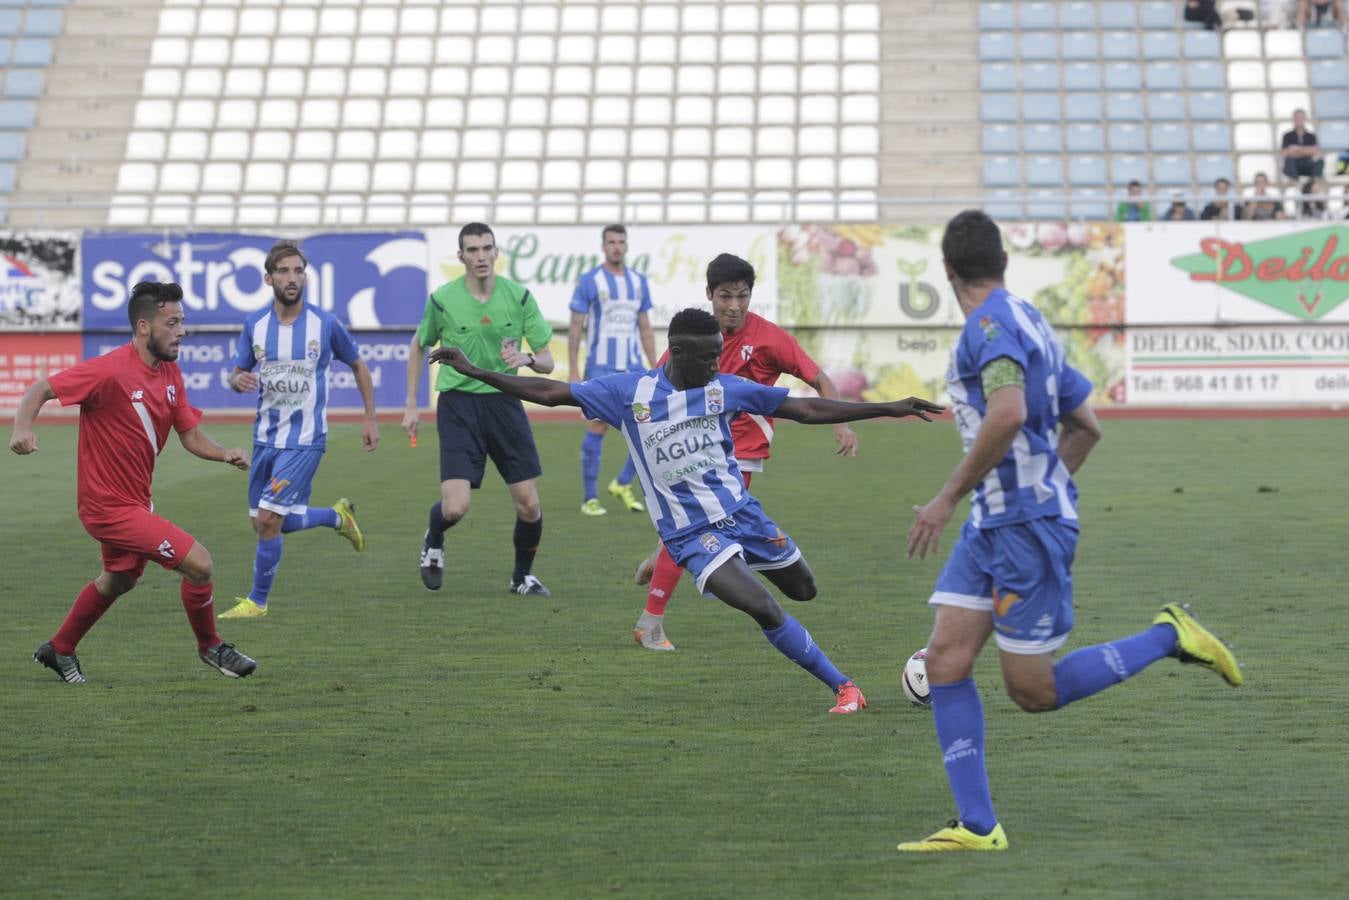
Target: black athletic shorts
{"x":473,"y":427}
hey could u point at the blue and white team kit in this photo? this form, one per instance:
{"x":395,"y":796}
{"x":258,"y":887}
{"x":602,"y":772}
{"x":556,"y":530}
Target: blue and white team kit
{"x":612,"y":305}
{"x":1014,"y":555}
{"x":681,"y":443}
{"x":291,"y":429}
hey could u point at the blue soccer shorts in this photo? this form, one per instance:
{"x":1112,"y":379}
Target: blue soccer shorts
{"x":281,"y":479}
{"x":1020,"y":573}
{"x":747,"y":533}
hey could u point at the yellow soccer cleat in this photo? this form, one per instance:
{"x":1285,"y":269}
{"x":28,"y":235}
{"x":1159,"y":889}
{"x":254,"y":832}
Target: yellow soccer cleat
{"x":592,"y":507}
{"x":624,"y":492}
{"x":956,"y":837}
{"x":347,"y":527}
{"x":246,"y":609}
{"x":1196,"y":644}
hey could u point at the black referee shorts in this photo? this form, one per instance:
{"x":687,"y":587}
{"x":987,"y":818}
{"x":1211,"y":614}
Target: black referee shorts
{"x":473,"y":427}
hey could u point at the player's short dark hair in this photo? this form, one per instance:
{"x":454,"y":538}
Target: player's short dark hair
{"x":280,"y":250}
{"x":1221,"y":180}
{"x":693,"y":322}
{"x":473,"y":229}
{"x":972,"y":245}
{"x":729,"y":269}
{"x":148,"y":296}
{"x":613,"y":229}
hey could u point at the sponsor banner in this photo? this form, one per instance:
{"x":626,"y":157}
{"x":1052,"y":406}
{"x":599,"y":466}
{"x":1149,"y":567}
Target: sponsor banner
{"x":26,"y":358}
{"x":1202,"y":273}
{"x":893,"y":276}
{"x":206,"y":361}
{"x":549,"y":260}
{"x":39,"y":284}
{"x":374,"y":280}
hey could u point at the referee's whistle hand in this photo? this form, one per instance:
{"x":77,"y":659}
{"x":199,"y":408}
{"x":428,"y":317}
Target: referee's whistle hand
{"x":411,"y":416}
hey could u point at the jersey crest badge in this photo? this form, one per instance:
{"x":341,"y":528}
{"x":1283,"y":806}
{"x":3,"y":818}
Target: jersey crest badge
{"x":641,"y":412}
{"x":166,"y":550}
{"x":172,"y":391}
{"x":313,"y":350}
{"x":710,"y":543}
{"x":259,"y":353}
{"x":745,"y":351}
{"x":989,"y":327}
{"x":716,"y":399}
{"x":603,"y":295}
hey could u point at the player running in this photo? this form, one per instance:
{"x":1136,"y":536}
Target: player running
{"x":611,"y":304}
{"x":677,"y":423}
{"x":752,"y":348}
{"x":1023,"y":416}
{"x":292,"y":343}
{"x":129,"y":398}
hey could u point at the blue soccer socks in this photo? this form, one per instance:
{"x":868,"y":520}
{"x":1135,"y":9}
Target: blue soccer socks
{"x":959,"y":716}
{"x":592,"y":445}
{"x":794,"y":642}
{"x":628,"y":472}
{"x":315,"y":517}
{"x":1093,"y":669}
{"x":265,"y":564}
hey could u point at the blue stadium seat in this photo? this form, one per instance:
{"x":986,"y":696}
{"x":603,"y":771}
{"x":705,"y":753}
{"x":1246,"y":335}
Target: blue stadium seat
{"x":1327,"y":73}
{"x":1040,"y":107}
{"x":1086,"y":137}
{"x":994,"y":16}
{"x":1044,"y":171}
{"x":6,"y":51}
{"x":1089,"y":204}
{"x":1002,"y":171}
{"x":16,"y":113}
{"x":1123,"y":76}
{"x":1077,"y":15}
{"x":1004,"y":205}
{"x":1205,"y":75}
{"x":32,"y":52}
{"x":1086,"y":170}
{"x":12,"y":144}
{"x":1039,"y":45}
{"x":1127,"y":137}
{"x":1330,"y":105}
{"x":1000,"y":139}
{"x":1042,"y":139}
{"x":1082,"y":107}
{"x":1158,"y":14}
{"x":1082,"y":76}
{"x":24,"y":83}
{"x":1160,"y":45}
{"x":1040,"y":76}
{"x":1170,"y":137}
{"x":1036,"y":15}
{"x":6,"y":178}
{"x":1210,"y":137}
{"x":1124,"y":107}
{"x":1201,"y":45}
{"x":1079,"y":45}
{"x":997,"y":107}
{"x":997,"y":45}
{"x":996,"y":76}
{"x":1207,"y":105}
{"x":1164,"y":75}
{"x":1166,"y":105}
{"x":1046,"y":205}
{"x":43,"y":22}
{"x":1334,"y":136}
{"x":10,"y":20}
{"x":1119,"y":45}
{"x":1322,"y":43}
{"x":1214,"y":166}
{"x":1124,"y":169}
{"x":1172,"y":171}
{"x":1117,"y":14}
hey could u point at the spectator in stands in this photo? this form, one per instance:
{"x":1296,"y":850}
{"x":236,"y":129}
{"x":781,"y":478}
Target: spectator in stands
{"x":1220,"y":207}
{"x":1133,"y":209}
{"x":1260,"y":202}
{"x":1313,"y":208}
{"x":1205,"y":11}
{"x":1178,"y":211}
{"x":1310,"y":10}
{"x":1301,"y":154}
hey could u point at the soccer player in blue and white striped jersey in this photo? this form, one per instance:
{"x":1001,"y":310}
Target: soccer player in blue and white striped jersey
{"x":677,"y":423}
{"x":611,"y":304}
{"x":291,"y":345}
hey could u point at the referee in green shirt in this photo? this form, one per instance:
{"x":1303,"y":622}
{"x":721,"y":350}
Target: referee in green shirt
{"x":491,"y":319}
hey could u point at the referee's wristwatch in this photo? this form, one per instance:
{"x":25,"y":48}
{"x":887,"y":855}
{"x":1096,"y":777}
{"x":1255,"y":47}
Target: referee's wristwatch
{"x":531,"y":361}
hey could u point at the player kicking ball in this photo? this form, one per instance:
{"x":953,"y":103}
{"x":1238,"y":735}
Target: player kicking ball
{"x":676,"y":420}
{"x":129,"y":399}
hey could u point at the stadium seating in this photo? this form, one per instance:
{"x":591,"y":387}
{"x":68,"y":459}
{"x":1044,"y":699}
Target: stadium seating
{"x":26,"y":34}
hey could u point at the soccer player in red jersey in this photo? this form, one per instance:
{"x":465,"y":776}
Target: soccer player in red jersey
{"x":129,"y":398}
{"x":756,"y":349}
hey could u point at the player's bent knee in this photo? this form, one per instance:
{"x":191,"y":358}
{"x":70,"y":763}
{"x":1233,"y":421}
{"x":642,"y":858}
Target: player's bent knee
{"x":1036,"y":698}
{"x":949,"y":663}
{"x":453,"y":512}
{"x":114,"y":584}
{"x":197,"y":566}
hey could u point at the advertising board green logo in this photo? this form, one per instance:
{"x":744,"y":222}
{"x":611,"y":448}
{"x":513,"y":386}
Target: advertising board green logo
{"x":1304,"y":274}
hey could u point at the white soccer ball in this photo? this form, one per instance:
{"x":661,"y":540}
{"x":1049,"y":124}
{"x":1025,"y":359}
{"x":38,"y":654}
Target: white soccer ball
{"x":914,"y":680}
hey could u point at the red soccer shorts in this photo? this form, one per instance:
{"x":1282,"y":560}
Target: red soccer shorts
{"x":130,"y":536}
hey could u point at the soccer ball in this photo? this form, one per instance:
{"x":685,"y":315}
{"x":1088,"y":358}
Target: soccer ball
{"x":914,"y":679}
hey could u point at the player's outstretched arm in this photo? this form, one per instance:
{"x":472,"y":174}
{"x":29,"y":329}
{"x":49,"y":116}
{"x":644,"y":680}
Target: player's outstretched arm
{"x":22,"y":440}
{"x":843,"y":435}
{"x":544,"y":391}
{"x":200,"y":444}
{"x":819,"y":411}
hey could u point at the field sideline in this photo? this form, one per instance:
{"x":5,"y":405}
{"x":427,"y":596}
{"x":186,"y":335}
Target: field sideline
{"x":396,"y":742}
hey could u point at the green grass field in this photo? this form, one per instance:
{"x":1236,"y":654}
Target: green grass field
{"x":396,"y":742}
